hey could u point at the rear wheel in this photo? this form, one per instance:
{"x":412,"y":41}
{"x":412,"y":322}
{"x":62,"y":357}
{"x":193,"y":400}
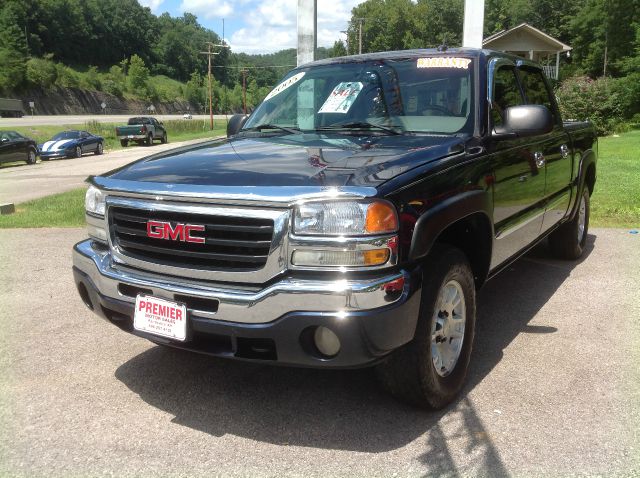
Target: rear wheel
{"x":78,"y":152}
{"x":99,"y":149}
{"x":430,"y":370}
{"x":124,"y":143}
{"x":568,"y":241}
{"x":164,"y":139}
{"x":31,"y":156}
{"x":149,"y":139}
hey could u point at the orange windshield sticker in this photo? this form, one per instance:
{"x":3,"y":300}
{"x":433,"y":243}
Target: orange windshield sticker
{"x":444,"y":62}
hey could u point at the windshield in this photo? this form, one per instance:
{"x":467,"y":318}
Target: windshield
{"x":418,"y":95}
{"x":67,"y":135}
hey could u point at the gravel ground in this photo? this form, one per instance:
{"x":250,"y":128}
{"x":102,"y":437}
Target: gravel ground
{"x":553,"y":388}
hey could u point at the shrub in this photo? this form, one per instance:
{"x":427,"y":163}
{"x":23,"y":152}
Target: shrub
{"x":41,"y":72}
{"x":581,"y":98}
{"x":66,"y":77}
{"x":91,"y":79}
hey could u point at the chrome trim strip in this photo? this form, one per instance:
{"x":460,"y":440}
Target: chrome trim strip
{"x":245,"y":306}
{"x":276,"y":262}
{"x":275,"y":196}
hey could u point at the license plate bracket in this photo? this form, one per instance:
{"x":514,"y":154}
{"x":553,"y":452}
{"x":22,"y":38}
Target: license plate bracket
{"x":161,"y":317}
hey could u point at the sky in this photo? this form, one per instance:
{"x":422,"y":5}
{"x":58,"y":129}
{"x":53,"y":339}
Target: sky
{"x":260,"y":26}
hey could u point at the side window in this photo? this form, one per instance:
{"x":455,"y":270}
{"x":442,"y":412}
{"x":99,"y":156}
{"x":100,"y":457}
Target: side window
{"x":535,"y":88}
{"x":506,"y":93}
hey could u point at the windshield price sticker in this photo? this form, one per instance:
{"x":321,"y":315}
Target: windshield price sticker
{"x":444,"y":62}
{"x":160,"y":317}
{"x":342,"y":97}
{"x":284,"y":85}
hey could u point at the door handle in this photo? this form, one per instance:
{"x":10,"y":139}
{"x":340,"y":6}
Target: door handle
{"x":564,"y":151}
{"x":539,"y":158}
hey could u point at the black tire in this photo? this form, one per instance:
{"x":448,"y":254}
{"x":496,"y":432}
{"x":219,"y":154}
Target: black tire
{"x":568,"y":241}
{"x":149,"y":141}
{"x":32,"y":156}
{"x":164,"y":139}
{"x":99,"y":149}
{"x":409,"y":373}
{"x":124,"y":143}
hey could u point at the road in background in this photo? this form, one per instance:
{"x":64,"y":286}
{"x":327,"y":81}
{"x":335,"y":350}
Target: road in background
{"x":22,"y":182}
{"x":552,"y":388}
{"x":81,"y":119}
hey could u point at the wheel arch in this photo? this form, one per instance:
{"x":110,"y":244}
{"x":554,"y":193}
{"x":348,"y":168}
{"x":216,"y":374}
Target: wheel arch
{"x":462,"y":221}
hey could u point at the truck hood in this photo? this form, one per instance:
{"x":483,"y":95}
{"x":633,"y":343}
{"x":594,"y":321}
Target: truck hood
{"x":292,"y":160}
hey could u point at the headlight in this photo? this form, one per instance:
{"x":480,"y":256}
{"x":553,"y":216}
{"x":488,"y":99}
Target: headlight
{"x":345,"y":218}
{"x":94,"y":201}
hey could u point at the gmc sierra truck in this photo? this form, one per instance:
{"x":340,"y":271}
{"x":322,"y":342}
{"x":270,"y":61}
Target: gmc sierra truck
{"x":348,"y":221}
{"x":142,"y":130}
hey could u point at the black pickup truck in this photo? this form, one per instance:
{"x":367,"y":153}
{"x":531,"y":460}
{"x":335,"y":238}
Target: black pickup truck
{"x":349,"y":221}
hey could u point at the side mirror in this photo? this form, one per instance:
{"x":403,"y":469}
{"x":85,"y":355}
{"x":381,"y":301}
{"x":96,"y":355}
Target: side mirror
{"x":235,"y":124}
{"x":525,"y":120}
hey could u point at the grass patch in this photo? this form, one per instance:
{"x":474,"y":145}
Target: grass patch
{"x":60,"y":210}
{"x":616,"y":200}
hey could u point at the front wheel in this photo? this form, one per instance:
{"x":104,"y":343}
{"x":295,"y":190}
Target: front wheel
{"x":430,"y":370}
{"x":31,"y":156}
{"x":568,"y":241}
{"x":164,"y":138}
{"x":99,"y":149}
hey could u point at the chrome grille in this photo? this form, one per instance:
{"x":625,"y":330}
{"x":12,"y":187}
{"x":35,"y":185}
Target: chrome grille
{"x":231,"y":243}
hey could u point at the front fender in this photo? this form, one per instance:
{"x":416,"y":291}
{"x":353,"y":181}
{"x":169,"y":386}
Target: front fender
{"x":445,"y":213}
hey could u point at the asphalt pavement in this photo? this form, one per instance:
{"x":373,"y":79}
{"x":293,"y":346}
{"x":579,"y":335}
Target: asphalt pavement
{"x":553,"y":387}
{"x":22,"y":182}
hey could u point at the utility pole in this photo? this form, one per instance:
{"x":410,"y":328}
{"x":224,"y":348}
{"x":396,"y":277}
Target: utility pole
{"x":244,"y":90}
{"x":360,"y":22}
{"x":209,"y":54}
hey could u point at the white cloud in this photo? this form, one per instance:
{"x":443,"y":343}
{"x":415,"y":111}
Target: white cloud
{"x":154,"y":5}
{"x":271,"y":25}
{"x":207,"y":8}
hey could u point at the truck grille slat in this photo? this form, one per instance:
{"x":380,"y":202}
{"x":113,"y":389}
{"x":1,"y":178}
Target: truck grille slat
{"x":193,"y":254}
{"x":231,"y":243}
{"x":262,"y":229}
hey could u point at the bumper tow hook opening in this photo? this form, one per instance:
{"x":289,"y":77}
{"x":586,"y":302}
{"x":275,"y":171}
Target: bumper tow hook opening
{"x":84,"y":295}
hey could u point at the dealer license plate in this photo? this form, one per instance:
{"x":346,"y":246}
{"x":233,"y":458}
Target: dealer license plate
{"x":160,"y":317}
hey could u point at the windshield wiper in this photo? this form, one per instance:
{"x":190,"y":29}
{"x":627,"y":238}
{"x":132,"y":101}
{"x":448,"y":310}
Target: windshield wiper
{"x":260,"y":127}
{"x":361,"y":125}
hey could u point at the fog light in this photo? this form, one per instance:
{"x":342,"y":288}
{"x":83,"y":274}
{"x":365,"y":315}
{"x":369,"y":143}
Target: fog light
{"x":326,"y":341}
{"x":329,"y":258}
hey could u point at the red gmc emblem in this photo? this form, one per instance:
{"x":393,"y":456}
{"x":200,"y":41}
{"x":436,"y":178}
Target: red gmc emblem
{"x":179,"y":232}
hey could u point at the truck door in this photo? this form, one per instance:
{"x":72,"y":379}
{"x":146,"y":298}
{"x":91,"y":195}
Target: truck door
{"x":519,"y":177}
{"x":554,"y":146}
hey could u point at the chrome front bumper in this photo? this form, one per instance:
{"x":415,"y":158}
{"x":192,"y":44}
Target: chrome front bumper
{"x":248,"y":304}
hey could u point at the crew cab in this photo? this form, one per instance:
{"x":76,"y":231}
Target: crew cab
{"x":348,"y":221}
{"x":142,"y":130}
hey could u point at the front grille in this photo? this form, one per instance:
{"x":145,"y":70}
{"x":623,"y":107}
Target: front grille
{"x":231,"y":243}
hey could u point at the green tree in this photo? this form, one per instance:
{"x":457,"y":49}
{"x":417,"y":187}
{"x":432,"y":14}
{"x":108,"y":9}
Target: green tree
{"x":138,"y":74}
{"x":339,"y":49}
{"x":13,"y":54}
